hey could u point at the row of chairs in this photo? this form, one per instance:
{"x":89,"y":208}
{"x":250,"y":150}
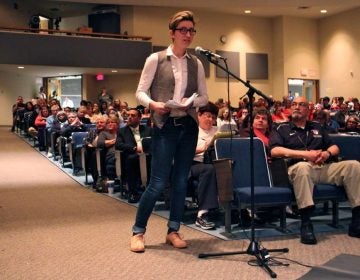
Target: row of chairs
{"x":234,"y":178}
{"x":233,"y":172}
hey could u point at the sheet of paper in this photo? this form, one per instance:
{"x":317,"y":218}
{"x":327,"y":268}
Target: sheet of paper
{"x":176,"y":105}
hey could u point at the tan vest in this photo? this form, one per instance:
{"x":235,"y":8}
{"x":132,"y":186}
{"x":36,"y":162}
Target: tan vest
{"x":163,"y":85}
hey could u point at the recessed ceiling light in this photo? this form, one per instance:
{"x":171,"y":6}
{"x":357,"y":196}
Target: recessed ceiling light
{"x":323,"y":11}
{"x":21,"y":67}
{"x":114,"y":71}
{"x":247,"y":11}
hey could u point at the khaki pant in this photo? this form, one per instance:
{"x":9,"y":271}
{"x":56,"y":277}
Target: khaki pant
{"x":304,"y":175}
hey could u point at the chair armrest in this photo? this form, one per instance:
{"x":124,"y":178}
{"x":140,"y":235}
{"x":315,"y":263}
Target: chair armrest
{"x":118,"y":163}
{"x":279,"y":174}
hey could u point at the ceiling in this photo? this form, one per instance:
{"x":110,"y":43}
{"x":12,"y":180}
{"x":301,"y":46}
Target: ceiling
{"x":262,"y":8}
{"x":259,"y":8}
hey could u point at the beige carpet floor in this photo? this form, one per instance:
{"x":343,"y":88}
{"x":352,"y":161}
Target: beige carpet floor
{"x":53,"y":228}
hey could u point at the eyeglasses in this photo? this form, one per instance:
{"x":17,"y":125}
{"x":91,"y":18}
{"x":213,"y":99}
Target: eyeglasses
{"x":301,"y":104}
{"x":184,"y":30}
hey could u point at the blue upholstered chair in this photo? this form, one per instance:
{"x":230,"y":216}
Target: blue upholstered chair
{"x":238,"y":151}
{"x":349,"y":150}
{"x":77,"y":142}
{"x":349,"y":146}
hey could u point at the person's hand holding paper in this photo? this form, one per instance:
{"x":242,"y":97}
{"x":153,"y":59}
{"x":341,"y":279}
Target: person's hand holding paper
{"x":185,"y":103}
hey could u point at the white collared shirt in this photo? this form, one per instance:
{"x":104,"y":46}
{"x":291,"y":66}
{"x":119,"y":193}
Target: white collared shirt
{"x":136,"y":133}
{"x":179,"y":66}
{"x":203,"y":137}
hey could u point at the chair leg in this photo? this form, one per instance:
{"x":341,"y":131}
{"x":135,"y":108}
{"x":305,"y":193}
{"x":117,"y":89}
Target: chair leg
{"x":335,"y":213}
{"x":227,"y":208}
{"x":283,"y":219}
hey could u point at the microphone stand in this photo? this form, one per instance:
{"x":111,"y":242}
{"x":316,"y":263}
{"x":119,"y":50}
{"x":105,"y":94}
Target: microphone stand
{"x":253,"y":249}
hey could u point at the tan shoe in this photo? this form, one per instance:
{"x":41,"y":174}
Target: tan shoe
{"x":137,"y":243}
{"x":175,"y":239}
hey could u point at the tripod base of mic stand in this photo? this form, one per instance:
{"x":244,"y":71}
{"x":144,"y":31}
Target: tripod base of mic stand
{"x":253,"y":250}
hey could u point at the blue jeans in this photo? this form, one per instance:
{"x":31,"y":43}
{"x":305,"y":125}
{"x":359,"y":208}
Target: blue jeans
{"x":173,"y":150}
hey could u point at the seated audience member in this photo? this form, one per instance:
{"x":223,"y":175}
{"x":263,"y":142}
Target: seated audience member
{"x":278,"y":115}
{"x":39,"y":104}
{"x":129,"y":143}
{"x":311,"y":111}
{"x":29,"y":116}
{"x":103,"y":107}
{"x":334,"y":104}
{"x":40,"y":121}
{"x":202,"y":169}
{"x":287,"y":107}
{"x":318,"y":107}
{"x":68,"y":110}
{"x":341,"y":115}
{"x":73,"y":125}
{"x":89,"y":111}
{"x":112,"y":112}
{"x":82,"y":111}
{"x":326,"y":103}
{"x":262,"y":125}
{"x":51,"y":118}
{"x":323,"y":118}
{"x":106,"y":141}
{"x":116,"y":104}
{"x":123,"y":110}
{"x":96,"y":112}
{"x":352,"y":125}
{"x":52,"y":102}
{"x":18,"y":106}
{"x":21,"y":111}
{"x":241,"y":115}
{"x":59,"y":122}
{"x":356,"y":108}
{"x":310,"y":154}
{"x":84,"y":102}
{"x":330,"y":122}
{"x":54,"y":109}
{"x":225,"y":122}
{"x":90,"y":148}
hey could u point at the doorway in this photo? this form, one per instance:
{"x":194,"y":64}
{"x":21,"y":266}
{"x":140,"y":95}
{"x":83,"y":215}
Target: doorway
{"x":66,"y":89}
{"x":307,"y":88}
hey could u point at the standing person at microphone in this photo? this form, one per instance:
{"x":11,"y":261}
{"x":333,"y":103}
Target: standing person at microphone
{"x":172,"y":74}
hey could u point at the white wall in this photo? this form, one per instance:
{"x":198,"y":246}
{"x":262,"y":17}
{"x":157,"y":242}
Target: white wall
{"x":339,"y":56}
{"x":10,"y":17}
{"x":245,"y":34}
{"x":119,"y":86}
{"x":326,"y":49}
{"x":11,"y":86}
{"x":73,"y":23}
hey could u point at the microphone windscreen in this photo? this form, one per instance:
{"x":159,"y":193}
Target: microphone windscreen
{"x":198,"y":50}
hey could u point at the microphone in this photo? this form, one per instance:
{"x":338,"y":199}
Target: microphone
{"x":207,"y":53}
